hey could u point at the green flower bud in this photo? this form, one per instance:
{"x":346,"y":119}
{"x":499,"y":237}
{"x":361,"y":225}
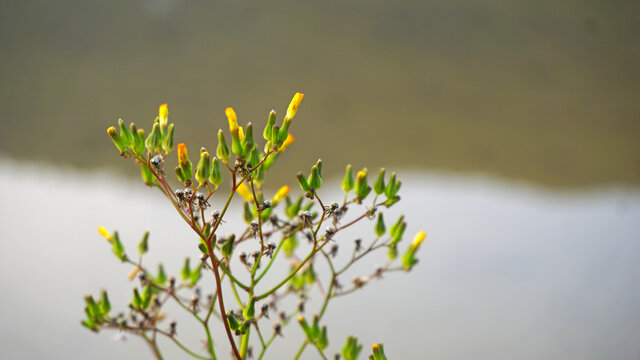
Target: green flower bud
{"x":362,"y":189}
{"x":167,"y":144}
{"x":147,"y":175}
{"x":293,"y":207}
{"x":347,"y":181}
{"x":314,"y":180}
{"x":250,"y":310}
{"x":397,"y":233}
{"x":117,"y":140}
{"x":236,"y":143}
{"x":309,"y":275}
{"x":267,"y":129}
{"x":409,"y":257}
{"x":227,"y":247}
{"x":315,"y":329}
{"x":146,"y":297}
{"x":378,"y":186}
{"x":186,"y":270}
{"x":351,"y":349}
{"x":323,"y":340}
{"x":248,"y":142}
{"x":216,"y":173}
{"x":185,"y":164}
{"x":378,"y":352}
{"x":137,"y":300}
{"x":154,"y":140}
{"x":143,"y":246}
{"x":270,"y":160}
{"x":304,"y":185}
{"x":380,"y":227}
{"x":105,"y":305}
{"x":223,"y":149}
{"x":125,"y":134}
{"x":396,"y":226}
{"x":118,"y":248}
{"x":179,"y":175}
{"x":233,"y":322}
{"x":248,"y":214}
{"x":203,"y":171}
{"x":162,"y":276}
{"x":254,"y":157}
{"x":138,"y":140}
{"x":194,"y":277}
{"x":289,"y":245}
{"x":275,"y":130}
{"x":305,"y":327}
{"x":392,"y":187}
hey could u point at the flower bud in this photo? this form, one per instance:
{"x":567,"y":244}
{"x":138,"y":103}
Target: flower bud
{"x":117,"y":140}
{"x":106,"y":234}
{"x":223,"y":150}
{"x":274,"y":136}
{"x":227,"y":247}
{"x":137,"y":299}
{"x":118,"y":248}
{"x":248,"y":214}
{"x":380,"y":227}
{"x":167,"y":144}
{"x":409,"y":259}
{"x":314,"y":180}
{"x":105,"y":305}
{"x":143,"y":246}
{"x":203,"y":170}
{"x":378,"y":352}
{"x":186,"y":270}
{"x":137,"y":146}
{"x":236,"y":141}
{"x":351,"y":349}
{"x":163,"y":116}
{"x":347,"y":180}
{"x":250,"y":310}
{"x":125,"y":134}
{"x":248,"y":142}
{"x":154,"y":140}
{"x":304,"y":185}
{"x":254,"y":157}
{"x":183,"y":161}
{"x":378,"y":186}
{"x":392,"y":187}
{"x":162,"y":276}
{"x":267,"y":129}
{"x":216,"y":173}
{"x":362,"y":189}
{"x":233,"y":322}
{"x":293,"y":107}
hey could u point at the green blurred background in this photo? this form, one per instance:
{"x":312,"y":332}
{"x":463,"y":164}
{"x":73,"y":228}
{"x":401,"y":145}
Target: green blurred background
{"x":545,"y":92}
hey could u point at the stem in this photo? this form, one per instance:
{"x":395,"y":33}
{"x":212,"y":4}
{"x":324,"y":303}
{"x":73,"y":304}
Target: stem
{"x":299,"y":353}
{"x":244,"y":345}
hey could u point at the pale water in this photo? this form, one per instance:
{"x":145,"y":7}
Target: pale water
{"x":507,"y":271}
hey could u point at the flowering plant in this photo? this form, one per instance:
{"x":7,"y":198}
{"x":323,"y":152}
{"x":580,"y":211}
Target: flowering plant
{"x":274,"y":227}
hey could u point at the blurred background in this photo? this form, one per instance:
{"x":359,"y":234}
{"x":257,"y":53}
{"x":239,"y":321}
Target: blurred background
{"x":517,"y":125}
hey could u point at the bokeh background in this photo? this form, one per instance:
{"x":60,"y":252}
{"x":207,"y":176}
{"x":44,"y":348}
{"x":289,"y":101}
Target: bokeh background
{"x":517,"y":124}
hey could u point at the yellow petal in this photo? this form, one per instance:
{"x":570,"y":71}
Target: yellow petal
{"x":240,"y":133}
{"x":106,"y":234}
{"x":163,"y":112}
{"x":288,"y":141}
{"x":245,"y":192}
{"x":136,"y":269}
{"x":280,"y":194}
{"x":233,"y":119}
{"x":183,"y":158}
{"x":293,"y":106}
{"x":418,"y":239}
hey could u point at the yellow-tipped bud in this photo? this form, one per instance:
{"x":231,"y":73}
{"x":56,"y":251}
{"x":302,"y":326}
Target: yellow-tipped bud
{"x":240,"y":133}
{"x":300,"y":318}
{"x":132,"y":274}
{"x":245,"y":192}
{"x":288,"y":141}
{"x":183,"y":158}
{"x":233,"y":120}
{"x":417,"y":240}
{"x":280,"y":194}
{"x":111,"y":130}
{"x":293,"y":106}
{"x":106,"y":234}
{"x":163,"y":114}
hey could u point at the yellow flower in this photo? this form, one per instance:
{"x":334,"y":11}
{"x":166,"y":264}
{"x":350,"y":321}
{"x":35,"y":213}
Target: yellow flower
{"x":293,"y":106}
{"x":417,"y":240}
{"x":280,"y":194}
{"x":163,"y":114}
{"x":106,"y":234}
{"x":183,"y":158}
{"x":233,"y":120}
{"x":111,"y":131}
{"x":361,"y":174}
{"x":245,"y":192}
{"x":288,"y":141}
